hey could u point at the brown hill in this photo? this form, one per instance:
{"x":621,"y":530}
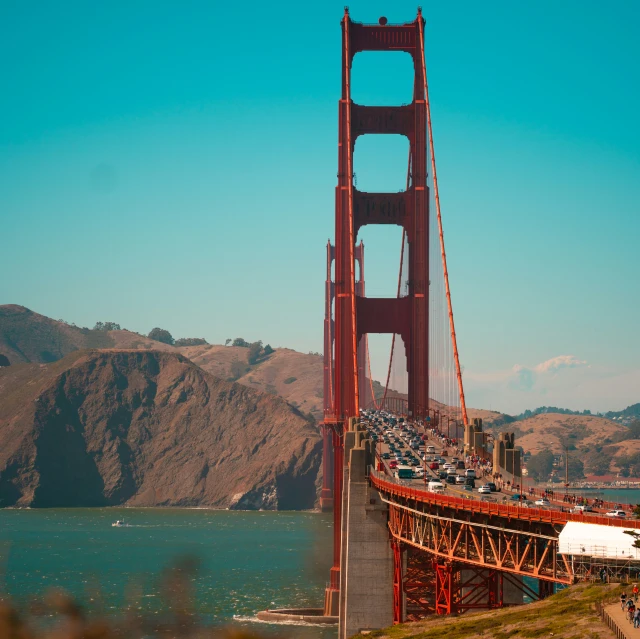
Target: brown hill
{"x":295,"y":376}
{"x":148,"y":428}
{"x":552,"y":430}
{"x":26,"y":336}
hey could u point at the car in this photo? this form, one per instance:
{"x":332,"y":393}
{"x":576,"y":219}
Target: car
{"x":460,"y":479}
{"x":542,"y":502}
{"x":454,"y":460}
{"x":450,"y":479}
{"x":386,"y":456}
{"x":460,"y":465}
{"x":467,"y":487}
{"x":427,"y":458}
{"x":517,"y":497}
{"x":469,"y":472}
{"x":470,"y":481}
{"x":582,"y":509}
{"x":620,"y":514}
{"x":393,"y":464}
{"x":484,"y":490}
{"x":493,"y":487}
{"x":442,"y":474}
{"x":415,"y":462}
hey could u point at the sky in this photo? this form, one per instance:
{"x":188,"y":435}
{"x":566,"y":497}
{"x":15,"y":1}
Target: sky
{"x":174,"y":165}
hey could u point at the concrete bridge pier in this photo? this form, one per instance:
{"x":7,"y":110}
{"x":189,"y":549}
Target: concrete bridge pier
{"x":366,"y":589}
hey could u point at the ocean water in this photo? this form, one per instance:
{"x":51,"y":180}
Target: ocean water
{"x":623,"y":496}
{"x":246,"y":562}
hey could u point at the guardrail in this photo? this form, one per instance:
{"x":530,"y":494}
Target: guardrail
{"x":384,"y":483}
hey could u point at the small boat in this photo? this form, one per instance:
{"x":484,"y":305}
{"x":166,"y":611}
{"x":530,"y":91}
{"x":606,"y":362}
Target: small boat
{"x":119,"y":523}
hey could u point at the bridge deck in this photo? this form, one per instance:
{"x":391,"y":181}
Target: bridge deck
{"x":394,"y":488}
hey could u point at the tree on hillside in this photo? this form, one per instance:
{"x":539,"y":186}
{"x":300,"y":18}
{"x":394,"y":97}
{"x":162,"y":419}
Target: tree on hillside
{"x":190,"y":341}
{"x":227,"y":342}
{"x":106,"y":326}
{"x":255,"y":351}
{"x":238,"y":369}
{"x":540,"y":465}
{"x":268,"y":350}
{"x":239,"y":341}
{"x":576,"y":468}
{"x":161,"y":335}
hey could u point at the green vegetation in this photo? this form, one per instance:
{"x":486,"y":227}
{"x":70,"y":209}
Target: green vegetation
{"x":239,"y":341}
{"x":238,"y":369}
{"x":190,"y":341}
{"x":551,"y":409}
{"x":255,"y":350}
{"x":569,"y":614}
{"x":290,"y":380}
{"x":268,"y":350}
{"x":540,"y":465}
{"x":106,"y":326}
{"x":576,"y":468}
{"x":161,"y":335}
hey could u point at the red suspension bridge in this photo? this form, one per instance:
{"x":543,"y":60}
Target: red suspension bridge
{"x":400,"y":551}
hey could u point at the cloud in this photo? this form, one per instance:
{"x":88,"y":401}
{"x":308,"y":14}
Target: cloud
{"x":522,"y":378}
{"x":526,"y":379}
{"x":564,"y":381}
{"x":554,"y":364}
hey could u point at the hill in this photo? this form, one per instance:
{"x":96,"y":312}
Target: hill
{"x":549,"y":430}
{"x":148,"y":428}
{"x":26,"y":336}
{"x":568,"y":614}
{"x":295,"y":376}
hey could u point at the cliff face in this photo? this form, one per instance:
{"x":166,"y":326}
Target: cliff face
{"x":147,"y":429}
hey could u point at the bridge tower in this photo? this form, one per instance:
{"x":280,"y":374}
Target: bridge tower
{"x":354,"y":314}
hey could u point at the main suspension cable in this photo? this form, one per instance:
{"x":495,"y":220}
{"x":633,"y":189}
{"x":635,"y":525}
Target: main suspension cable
{"x":442,"y":250}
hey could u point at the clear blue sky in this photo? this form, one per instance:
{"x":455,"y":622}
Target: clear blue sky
{"x":173,"y":165}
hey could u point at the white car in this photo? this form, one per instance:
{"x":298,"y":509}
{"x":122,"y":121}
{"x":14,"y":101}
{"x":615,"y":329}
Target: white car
{"x":542,"y":502}
{"x":617,"y":513}
{"x":484,"y":490}
{"x":460,"y":479}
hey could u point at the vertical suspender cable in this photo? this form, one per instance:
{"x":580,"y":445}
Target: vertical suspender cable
{"x":354,"y":326}
{"x":437,"y":198}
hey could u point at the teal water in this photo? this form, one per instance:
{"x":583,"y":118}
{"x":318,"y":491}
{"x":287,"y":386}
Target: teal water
{"x":623,"y":496}
{"x":246,"y":561}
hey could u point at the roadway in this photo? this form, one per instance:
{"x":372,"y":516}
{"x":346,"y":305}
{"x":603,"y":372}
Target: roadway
{"x":401,"y":442}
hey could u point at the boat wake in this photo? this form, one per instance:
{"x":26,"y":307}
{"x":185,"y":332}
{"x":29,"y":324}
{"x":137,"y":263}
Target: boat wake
{"x":288,"y":622}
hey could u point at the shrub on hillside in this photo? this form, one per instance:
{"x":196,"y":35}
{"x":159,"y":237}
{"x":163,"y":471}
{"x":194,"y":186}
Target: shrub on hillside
{"x":238,"y":369}
{"x":290,"y":380}
{"x":190,"y":341}
{"x":106,"y":326}
{"x":161,"y":335}
{"x":239,"y":341}
{"x":255,"y":350}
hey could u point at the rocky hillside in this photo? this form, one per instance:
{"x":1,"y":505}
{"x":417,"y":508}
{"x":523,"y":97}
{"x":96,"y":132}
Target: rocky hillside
{"x":148,"y":428}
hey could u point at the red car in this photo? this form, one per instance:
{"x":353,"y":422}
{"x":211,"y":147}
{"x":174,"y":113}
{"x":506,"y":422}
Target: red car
{"x":434,"y":465}
{"x":393,"y":464}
